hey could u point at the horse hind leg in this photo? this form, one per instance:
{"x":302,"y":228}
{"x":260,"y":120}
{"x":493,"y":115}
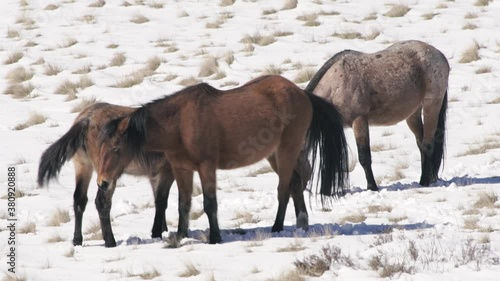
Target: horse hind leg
{"x":161,"y":184}
{"x":184,"y":180}
{"x":208,"y":182}
{"x":416,"y":126}
{"x":83,"y":171}
{"x":103,"y":205}
{"x":298,"y":183}
{"x":362,"y":136}
{"x":433,"y":140}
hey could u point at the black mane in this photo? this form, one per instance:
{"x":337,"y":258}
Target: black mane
{"x":322,"y":71}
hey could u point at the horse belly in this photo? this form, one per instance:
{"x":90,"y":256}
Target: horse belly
{"x":248,"y":148}
{"x":393,"y":112}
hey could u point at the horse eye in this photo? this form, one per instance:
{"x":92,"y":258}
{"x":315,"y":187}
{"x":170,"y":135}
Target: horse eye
{"x":115,"y":148}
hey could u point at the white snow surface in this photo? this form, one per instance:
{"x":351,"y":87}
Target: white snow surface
{"x":436,"y":220}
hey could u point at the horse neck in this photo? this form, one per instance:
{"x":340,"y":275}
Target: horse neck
{"x":161,"y":125}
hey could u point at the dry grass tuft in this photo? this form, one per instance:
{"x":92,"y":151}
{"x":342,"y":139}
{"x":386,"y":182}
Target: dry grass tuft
{"x":68,"y":42}
{"x":34,"y":119}
{"x":429,"y":16}
{"x":270,"y":11}
{"x":379,"y":208}
{"x":118,"y":59}
{"x":371,"y":16}
{"x":208,"y":67}
{"x":228,"y":57}
{"x":486,"y":200}
{"x":189,"y":81}
{"x":98,"y":4}
{"x":304,"y":75}
{"x":66,"y":88}
{"x":19,"y":91}
{"x":83,"y":70}
{"x":316,"y":264}
{"x":83,"y":104}
{"x":291,"y":275}
{"x":469,"y":25}
{"x":138,"y":19}
{"x":357,"y":218}
{"x":470,"y":54}
{"x":348,"y":35}
{"x":70,"y":252}
{"x":289,"y":4}
{"x":19,"y":74}
{"x":258,"y":39}
{"x":89,"y":19}
{"x":112,"y":46}
{"x":14,"y":57}
{"x":224,"y":3}
{"x":59,"y":217}
{"x":397,"y":11}
{"x":189,"y":270}
{"x":29,"y":227}
{"x":133,"y":79}
{"x":52,"y":69}
{"x":85,"y":82}
{"x":12,"y":33}
{"x":483,"y":69}
{"x":296,"y":246}
{"x":479,"y":149}
{"x":470,"y":15}
{"x":153,"y":63}
{"x":280,"y":33}
{"x":272,"y":70}
{"x":372,"y":35}
{"x":482,"y":3}
{"x":471,"y":223}
{"x":51,"y":7}
{"x":56,"y":238}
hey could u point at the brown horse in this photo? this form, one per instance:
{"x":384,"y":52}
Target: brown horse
{"x":203,"y":129}
{"x":80,"y":145}
{"x":407,"y":81}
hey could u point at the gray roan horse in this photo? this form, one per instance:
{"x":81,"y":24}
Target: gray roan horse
{"x":407,"y":81}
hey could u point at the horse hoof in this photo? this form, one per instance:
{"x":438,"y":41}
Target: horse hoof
{"x":277,"y":228}
{"x":156,"y":235}
{"x":77,"y":241}
{"x":302,"y":221}
{"x":110,"y":244}
{"x":372,"y":188}
{"x":215,"y":240}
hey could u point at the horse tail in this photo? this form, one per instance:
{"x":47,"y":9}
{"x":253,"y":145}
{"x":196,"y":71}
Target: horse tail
{"x":58,"y":153}
{"x":326,"y":137}
{"x":322,"y":71}
{"x":439,"y":139}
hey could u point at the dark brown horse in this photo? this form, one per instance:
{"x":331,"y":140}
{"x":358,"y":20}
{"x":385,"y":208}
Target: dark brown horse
{"x":80,"y":144}
{"x":203,"y":129}
{"x":407,"y":81}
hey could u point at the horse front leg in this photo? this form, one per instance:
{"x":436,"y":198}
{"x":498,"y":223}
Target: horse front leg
{"x":83,"y":175}
{"x":362,"y":136}
{"x":209,"y":186}
{"x":103,"y":205}
{"x":161,"y":184}
{"x":184,"y":180}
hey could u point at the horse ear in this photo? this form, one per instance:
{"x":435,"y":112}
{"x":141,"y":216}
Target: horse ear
{"x":123,"y":125}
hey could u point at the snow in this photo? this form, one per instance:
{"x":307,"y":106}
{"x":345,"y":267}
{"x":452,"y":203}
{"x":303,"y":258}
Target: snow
{"x":432,"y":218}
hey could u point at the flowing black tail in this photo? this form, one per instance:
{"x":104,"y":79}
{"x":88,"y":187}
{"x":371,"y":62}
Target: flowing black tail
{"x":326,"y":137}
{"x":439,"y":140}
{"x":54,"y":157}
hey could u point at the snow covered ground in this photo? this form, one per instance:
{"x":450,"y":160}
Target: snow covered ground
{"x":73,"y":51}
